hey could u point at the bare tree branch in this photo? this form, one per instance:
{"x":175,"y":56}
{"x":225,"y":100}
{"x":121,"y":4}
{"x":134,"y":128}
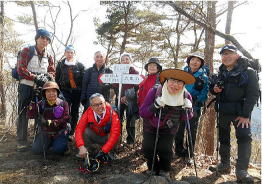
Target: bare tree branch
{"x":34,"y":15}
{"x":211,"y":29}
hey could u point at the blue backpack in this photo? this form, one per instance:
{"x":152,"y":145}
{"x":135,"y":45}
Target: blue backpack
{"x":14,"y":72}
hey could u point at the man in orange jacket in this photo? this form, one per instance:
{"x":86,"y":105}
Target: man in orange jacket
{"x":100,"y":125}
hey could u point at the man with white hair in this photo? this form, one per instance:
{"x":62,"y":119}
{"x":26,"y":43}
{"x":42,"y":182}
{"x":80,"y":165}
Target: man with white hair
{"x":91,"y":84}
{"x":98,"y":125}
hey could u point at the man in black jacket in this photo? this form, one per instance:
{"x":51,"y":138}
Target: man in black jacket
{"x":91,"y":84}
{"x":237,"y":91}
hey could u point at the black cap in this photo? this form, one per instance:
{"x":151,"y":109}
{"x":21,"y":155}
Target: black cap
{"x":228,"y":47}
{"x":156,"y":61}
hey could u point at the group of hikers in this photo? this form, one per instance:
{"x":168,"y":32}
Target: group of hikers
{"x":169,"y":102}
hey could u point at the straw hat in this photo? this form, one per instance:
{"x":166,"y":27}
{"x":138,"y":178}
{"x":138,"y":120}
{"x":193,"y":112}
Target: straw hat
{"x":176,"y":74}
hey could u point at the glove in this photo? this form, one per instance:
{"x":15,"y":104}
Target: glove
{"x":84,"y":101}
{"x":36,"y":96}
{"x":187,"y":104}
{"x":49,"y":77}
{"x":158,"y":103}
{"x":40,"y":80}
{"x":103,"y":157}
{"x":199,"y":84}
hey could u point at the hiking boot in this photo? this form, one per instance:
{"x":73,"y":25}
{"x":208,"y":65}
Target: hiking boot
{"x":224,"y":166}
{"x":149,"y":173}
{"x":165,"y":174}
{"x":221,"y":168}
{"x":189,"y":161}
{"x":244,"y":177}
{"x":22,"y":147}
{"x":244,"y":152}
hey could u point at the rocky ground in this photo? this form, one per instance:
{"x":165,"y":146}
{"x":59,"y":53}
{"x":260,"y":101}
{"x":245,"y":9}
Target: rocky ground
{"x":128,"y":168}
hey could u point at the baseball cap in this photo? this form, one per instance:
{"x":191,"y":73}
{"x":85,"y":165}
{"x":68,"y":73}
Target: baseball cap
{"x":228,"y":47}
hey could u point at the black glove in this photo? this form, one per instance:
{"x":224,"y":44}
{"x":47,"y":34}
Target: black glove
{"x":41,"y":79}
{"x":49,"y":76}
{"x":36,"y":95}
{"x":84,"y":101}
{"x":199,"y":84}
{"x":103,"y":157}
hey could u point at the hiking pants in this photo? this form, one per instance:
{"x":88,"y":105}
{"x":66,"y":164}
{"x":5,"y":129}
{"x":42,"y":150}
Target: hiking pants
{"x":130,"y":124}
{"x":181,"y":150}
{"x":24,"y":97}
{"x":50,"y":144}
{"x":73,"y":100}
{"x":163,"y":155}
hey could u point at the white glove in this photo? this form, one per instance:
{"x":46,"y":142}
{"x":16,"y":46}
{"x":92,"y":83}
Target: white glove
{"x":158,"y":103}
{"x":187,"y":104}
{"x":82,"y":151}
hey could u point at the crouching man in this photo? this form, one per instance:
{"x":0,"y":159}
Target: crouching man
{"x":98,"y":125}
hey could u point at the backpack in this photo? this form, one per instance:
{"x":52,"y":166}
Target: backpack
{"x":14,"y":72}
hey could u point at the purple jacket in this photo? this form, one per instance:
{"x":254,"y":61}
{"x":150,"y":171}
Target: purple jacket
{"x":58,"y":114}
{"x":151,"y":114}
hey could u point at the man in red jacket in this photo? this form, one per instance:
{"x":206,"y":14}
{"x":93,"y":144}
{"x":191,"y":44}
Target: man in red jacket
{"x":98,"y":125}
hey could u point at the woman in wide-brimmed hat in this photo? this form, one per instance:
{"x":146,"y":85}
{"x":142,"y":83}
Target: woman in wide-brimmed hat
{"x":52,"y":120}
{"x":198,"y":91}
{"x":164,"y":105}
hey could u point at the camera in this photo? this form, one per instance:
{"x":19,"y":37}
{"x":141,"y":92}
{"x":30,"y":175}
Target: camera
{"x":220,"y":84}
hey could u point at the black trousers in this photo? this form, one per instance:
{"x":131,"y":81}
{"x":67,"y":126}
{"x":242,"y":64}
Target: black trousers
{"x":73,"y":100}
{"x":130,"y":123}
{"x":181,"y":149}
{"x":243,"y":135}
{"x":25,"y":93}
{"x":163,"y":156}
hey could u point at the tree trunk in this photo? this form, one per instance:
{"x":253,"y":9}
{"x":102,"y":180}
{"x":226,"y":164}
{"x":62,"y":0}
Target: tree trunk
{"x":2,"y":91}
{"x":127,"y":11}
{"x":177,"y":41}
{"x":229,"y":19}
{"x":34,"y":15}
{"x":209,"y":50}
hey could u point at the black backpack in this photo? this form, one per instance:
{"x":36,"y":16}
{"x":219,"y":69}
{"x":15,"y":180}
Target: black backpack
{"x":14,"y":72}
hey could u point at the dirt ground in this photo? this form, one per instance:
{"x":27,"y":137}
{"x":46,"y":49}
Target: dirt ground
{"x":24,"y":167}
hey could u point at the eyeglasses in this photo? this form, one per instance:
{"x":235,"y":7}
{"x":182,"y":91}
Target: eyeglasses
{"x":98,"y":104}
{"x":173,"y":81}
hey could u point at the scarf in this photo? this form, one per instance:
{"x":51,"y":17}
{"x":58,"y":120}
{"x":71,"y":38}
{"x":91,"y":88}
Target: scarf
{"x":172,"y":99}
{"x":70,"y":63}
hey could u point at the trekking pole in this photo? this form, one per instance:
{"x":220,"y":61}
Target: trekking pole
{"x":87,"y":161}
{"x":37,"y":121}
{"x":190,"y":139}
{"x":217,"y":147}
{"x":156,"y":140}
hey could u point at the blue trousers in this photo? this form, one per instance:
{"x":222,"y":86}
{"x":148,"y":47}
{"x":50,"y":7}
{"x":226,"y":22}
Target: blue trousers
{"x":44,"y":142}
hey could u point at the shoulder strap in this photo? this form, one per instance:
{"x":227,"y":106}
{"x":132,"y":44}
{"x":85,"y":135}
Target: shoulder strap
{"x":31,"y":51}
{"x":89,"y":70}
